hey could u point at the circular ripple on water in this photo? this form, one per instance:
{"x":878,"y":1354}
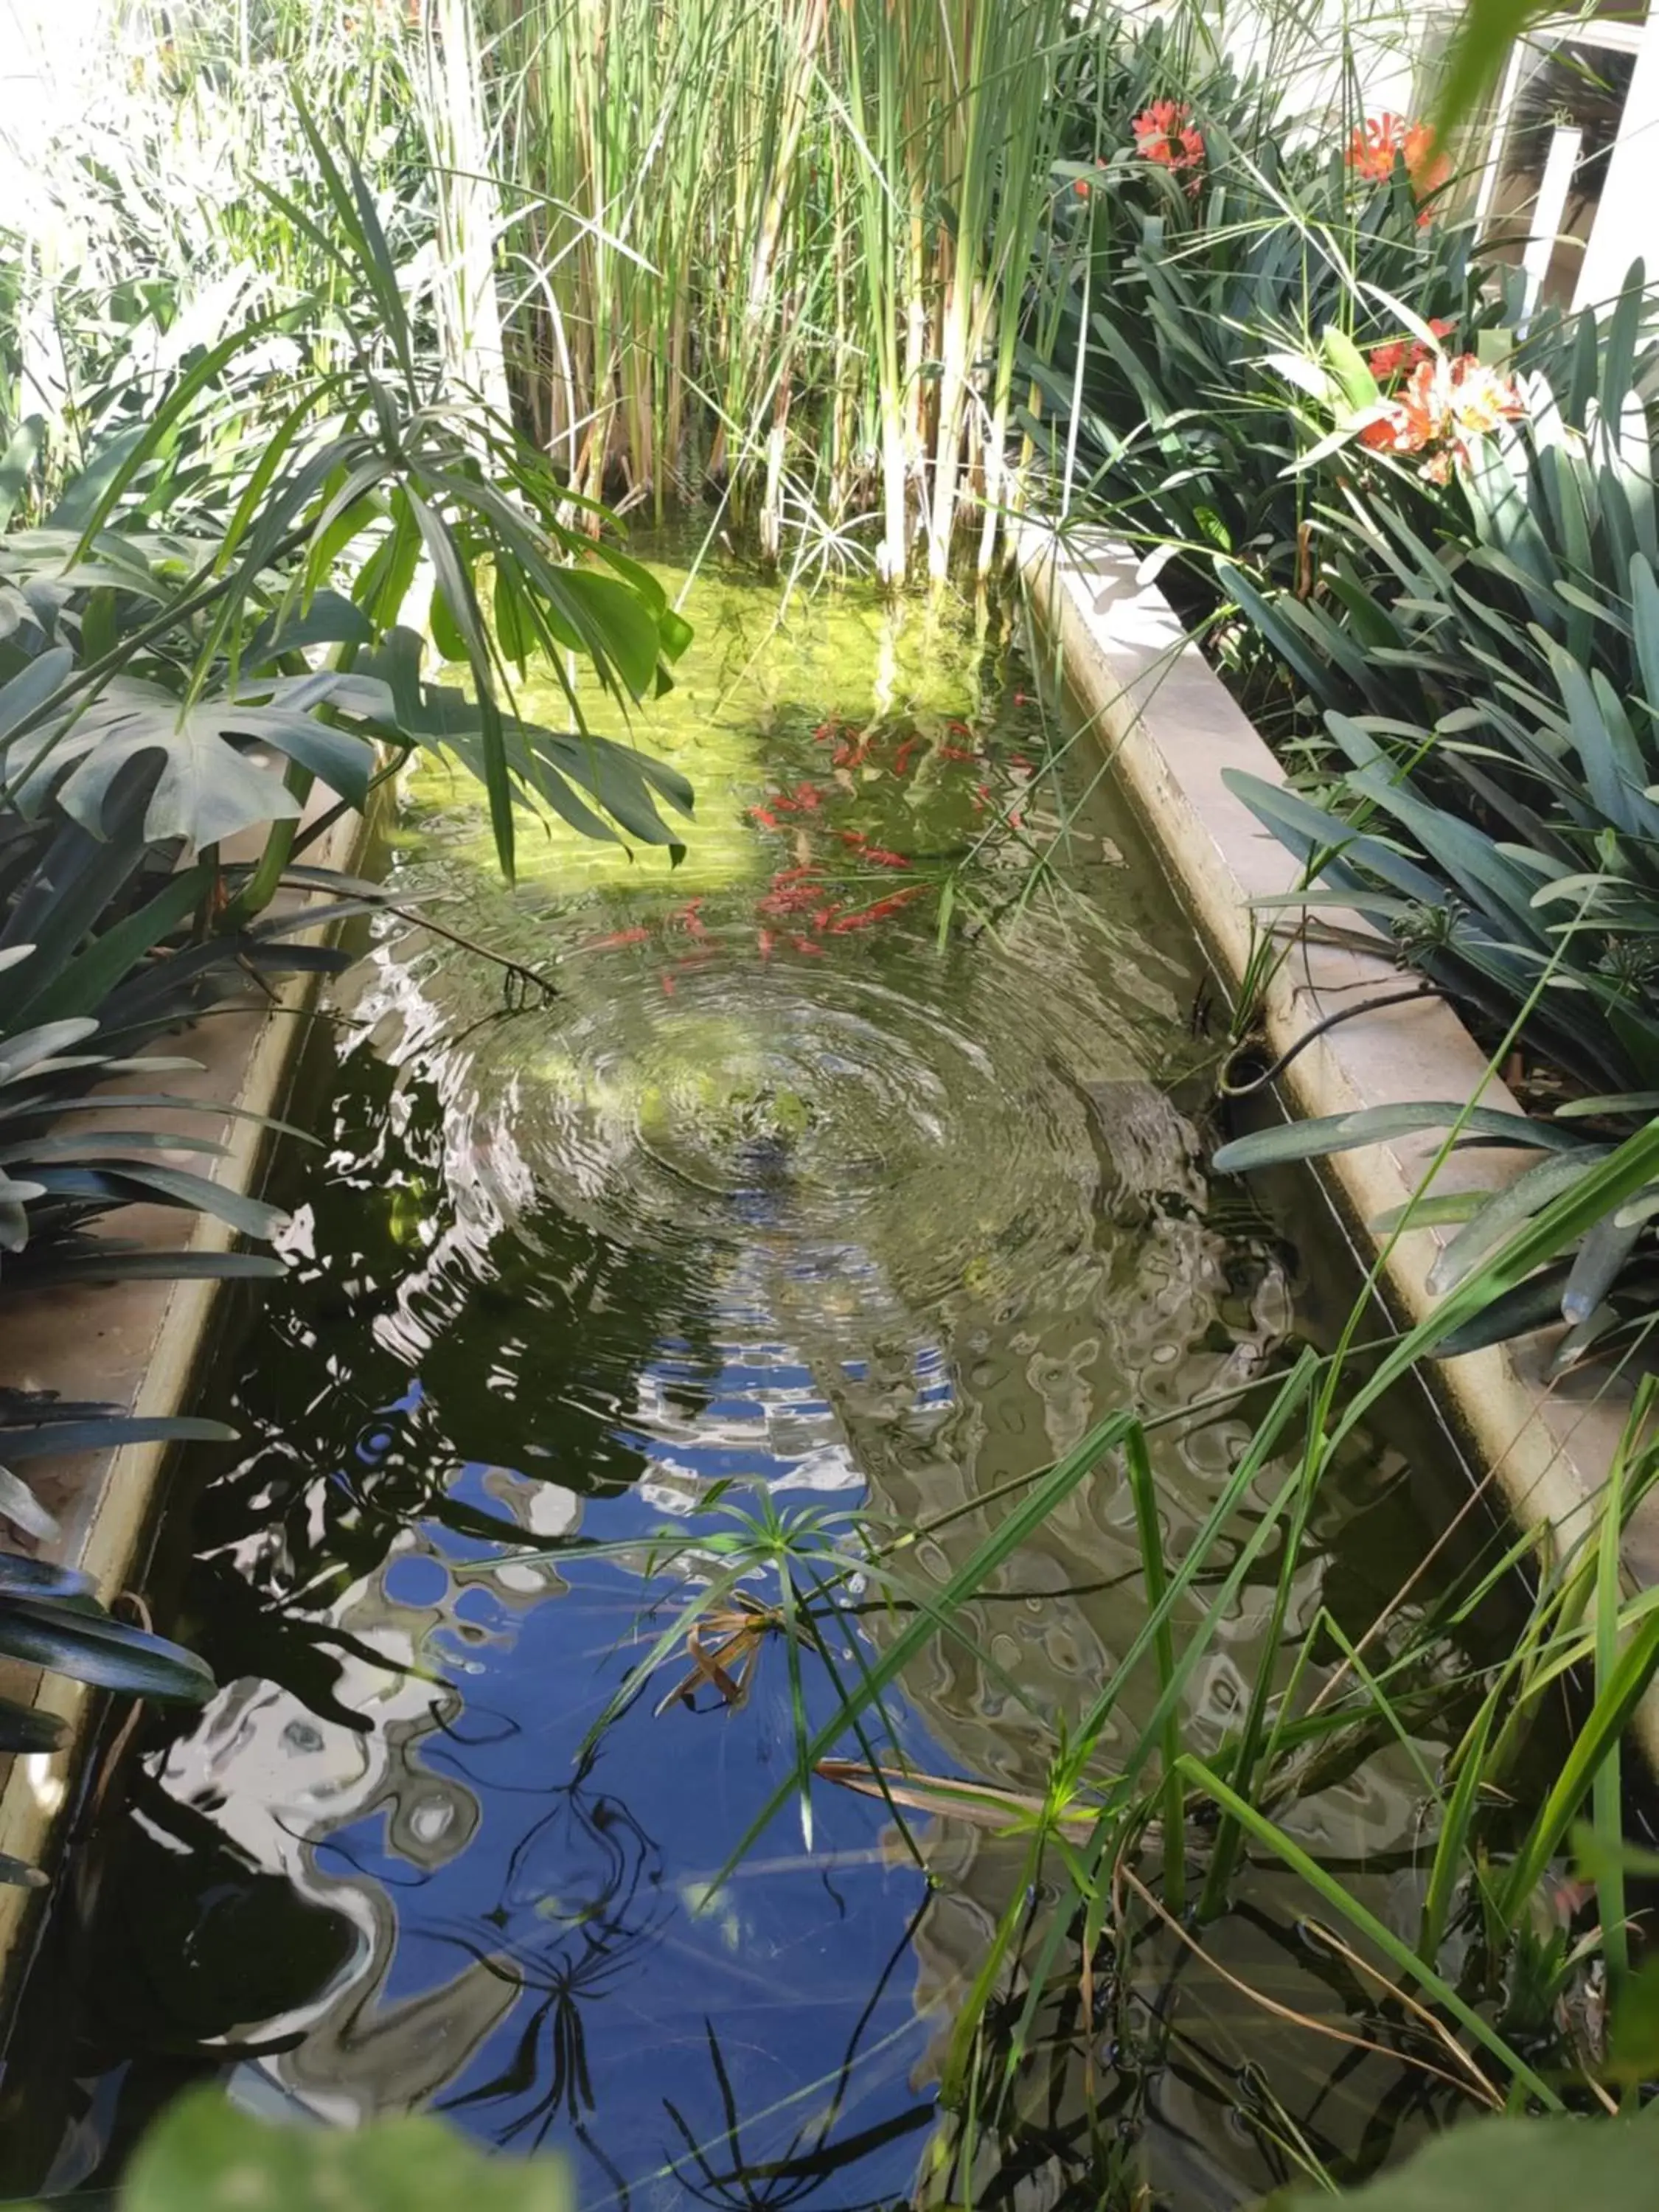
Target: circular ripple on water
{"x":907,"y":1125}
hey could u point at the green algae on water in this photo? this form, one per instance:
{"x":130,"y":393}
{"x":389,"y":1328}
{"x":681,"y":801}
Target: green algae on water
{"x":757,"y":678}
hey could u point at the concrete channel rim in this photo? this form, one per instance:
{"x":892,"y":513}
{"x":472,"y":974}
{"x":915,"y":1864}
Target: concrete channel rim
{"x":117,"y":1524}
{"x":1172,"y":730}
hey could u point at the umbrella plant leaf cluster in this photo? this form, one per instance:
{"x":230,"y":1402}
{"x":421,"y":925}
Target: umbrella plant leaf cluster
{"x":203,"y":639}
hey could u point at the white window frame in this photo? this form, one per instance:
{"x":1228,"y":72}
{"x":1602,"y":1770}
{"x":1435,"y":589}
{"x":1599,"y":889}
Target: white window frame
{"x":1626,"y":224}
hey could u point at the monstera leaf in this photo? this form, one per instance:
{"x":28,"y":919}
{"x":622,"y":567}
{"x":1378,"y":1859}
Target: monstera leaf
{"x":328,"y":515}
{"x":130,"y":651}
{"x":207,"y":788}
{"x":149,"y":563}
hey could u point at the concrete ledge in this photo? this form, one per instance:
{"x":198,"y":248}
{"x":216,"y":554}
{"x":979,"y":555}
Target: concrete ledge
{"x":1174,"y":729}
{"x":138,"y":1345}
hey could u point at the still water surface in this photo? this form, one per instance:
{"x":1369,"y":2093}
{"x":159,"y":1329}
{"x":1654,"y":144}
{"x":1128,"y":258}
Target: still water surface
{"x":788,"y":1186}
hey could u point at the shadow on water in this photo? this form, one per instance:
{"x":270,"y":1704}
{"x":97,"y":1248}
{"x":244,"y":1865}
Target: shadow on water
{"x":779,"y":1190}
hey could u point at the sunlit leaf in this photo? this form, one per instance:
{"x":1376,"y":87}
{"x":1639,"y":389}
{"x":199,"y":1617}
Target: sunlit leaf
{"x":206,"y":2155}
{"x":1522,"y":2164}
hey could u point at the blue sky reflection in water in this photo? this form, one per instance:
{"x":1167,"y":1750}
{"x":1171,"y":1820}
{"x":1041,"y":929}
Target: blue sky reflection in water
{"x":777,"y":1192}
{"x":584,"y":1890}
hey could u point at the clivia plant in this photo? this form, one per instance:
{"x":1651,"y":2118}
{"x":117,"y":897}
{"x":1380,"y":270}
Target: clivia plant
{"x":1486,"y":659}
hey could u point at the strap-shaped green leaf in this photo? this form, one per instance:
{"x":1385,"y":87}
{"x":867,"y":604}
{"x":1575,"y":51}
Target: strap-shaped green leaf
{"x":109,"y":1654}
{"x":1505,"y":1210}
{"x":1344,"y":1132}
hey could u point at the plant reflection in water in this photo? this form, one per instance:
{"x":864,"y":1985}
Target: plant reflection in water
{"x":615,"y":1329}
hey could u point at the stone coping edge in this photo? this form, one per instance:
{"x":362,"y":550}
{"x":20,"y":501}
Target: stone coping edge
{"x":141,"y":1344}
{"x":1173,"y":729}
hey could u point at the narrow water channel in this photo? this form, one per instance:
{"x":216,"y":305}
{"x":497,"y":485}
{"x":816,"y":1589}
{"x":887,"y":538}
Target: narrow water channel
{"x":797,"y":1187}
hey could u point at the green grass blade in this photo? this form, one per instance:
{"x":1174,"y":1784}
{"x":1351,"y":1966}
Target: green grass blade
{"x":1144,"y":1491}
{"x":986,"y":1557}
{"x":1401,"y":1955}
{"x":1617,"y":1698}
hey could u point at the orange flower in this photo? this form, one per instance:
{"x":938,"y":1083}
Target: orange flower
{"x":1478,"y":400}
{"x":1400,"y":427}
{"x":1425,"y":165}
{"x":1386,"y":361}
{"x":1375,"y":142}
{"x":1441,"y":410}
{"x":1164,"y":133}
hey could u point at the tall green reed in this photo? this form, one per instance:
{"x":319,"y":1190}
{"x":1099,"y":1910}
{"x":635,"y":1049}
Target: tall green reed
{"x":778,"y":251}
{"x":781,"y":248}
{"x":797,"y":254}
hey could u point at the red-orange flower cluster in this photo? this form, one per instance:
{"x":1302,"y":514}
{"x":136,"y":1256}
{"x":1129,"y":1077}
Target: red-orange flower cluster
{"x":1376,"y":141}
{"x":1444,"y":406}
{"x":1165,"y":134}
{"x":1386,"y":361}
